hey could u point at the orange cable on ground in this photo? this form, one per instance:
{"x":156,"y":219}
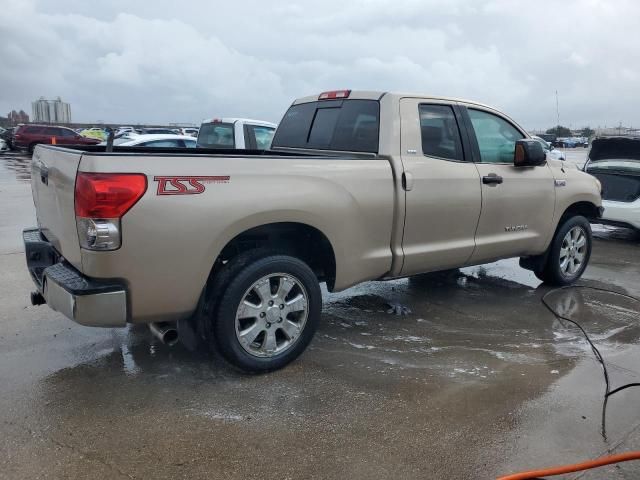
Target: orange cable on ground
{"x":576,"y":467}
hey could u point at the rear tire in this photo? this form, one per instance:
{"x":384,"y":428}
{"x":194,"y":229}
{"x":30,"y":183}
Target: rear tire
{"x":31,"y":148}
{"x":569,"y":253}
{"x":266,"y":310}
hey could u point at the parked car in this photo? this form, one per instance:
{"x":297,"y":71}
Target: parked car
{"x":7,"y":136}
{"x":565,"y":142}
{"x":548,"y":137}
{"x":549,"y":149}
{"x":94,"y":132}
{"x":118,"y":132}
{"x":236,"y":133}
{"x":156,"y":141}
{"x":192,"y":132}
{"x":615,"y":161}
{"x":357,"y":186}
{"x":3,"y":146}
{"x":28,"y":136}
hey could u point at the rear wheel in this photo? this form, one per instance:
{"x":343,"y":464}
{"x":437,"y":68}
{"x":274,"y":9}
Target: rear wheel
{"x":569,"y":253}
{"x":32,"y":147}
{"x":267,"y":313}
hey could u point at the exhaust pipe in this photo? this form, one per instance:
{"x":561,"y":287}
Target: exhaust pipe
{"x":37,"y":299}
{"x":166,"y":332}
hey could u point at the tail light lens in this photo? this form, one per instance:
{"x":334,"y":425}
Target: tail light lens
{"x":108,"y":195}
{"x":101,"y":199}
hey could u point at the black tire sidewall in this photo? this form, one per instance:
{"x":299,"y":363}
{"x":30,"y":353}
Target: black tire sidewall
{"x":553,"y":274}
{"x":223,"y":327}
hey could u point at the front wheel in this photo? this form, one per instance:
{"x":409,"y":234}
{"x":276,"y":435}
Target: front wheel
{"x":268,"y":313}
{"x":569,"y":252}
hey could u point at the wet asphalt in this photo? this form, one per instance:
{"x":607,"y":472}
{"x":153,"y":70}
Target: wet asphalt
{"x":478,"y":379}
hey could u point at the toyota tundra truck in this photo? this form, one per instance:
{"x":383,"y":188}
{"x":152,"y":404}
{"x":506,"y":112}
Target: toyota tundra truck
{"x":357,"y":186}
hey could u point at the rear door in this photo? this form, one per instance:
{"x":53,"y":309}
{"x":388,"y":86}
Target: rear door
{"x":517,"y":202}
{"x":65,"y":136}
{"x":442,"y":187}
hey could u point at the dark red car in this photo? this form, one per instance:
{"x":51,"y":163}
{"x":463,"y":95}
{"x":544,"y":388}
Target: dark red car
{"x":28,"y":136}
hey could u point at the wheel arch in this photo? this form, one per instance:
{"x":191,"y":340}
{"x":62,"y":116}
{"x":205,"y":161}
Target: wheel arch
{"x":587,"y":209}
{"x":298,"y":239}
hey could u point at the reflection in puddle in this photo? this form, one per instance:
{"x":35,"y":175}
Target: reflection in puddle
{"x":15,"y":166}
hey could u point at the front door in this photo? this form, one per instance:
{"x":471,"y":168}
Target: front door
{"x":442,"y":187}
{"x":517,"y":202}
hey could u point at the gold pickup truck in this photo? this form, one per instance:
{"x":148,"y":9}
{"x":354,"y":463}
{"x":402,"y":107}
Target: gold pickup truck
{"x":357,"y":185}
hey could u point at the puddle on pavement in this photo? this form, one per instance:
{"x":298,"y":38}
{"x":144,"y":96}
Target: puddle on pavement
{"x":14,"y":166}
{"x":472,"y":322}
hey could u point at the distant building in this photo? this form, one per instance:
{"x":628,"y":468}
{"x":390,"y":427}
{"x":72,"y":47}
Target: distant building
{"x":17,"y":117}
{"x":51,"y":111}
{"x":617,"y":132}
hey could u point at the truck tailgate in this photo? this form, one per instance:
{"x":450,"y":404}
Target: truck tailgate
{"x":53,"y":176}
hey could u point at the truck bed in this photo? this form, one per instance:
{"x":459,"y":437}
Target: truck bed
{"x":172,"y":236}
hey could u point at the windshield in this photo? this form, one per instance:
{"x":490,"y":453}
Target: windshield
{"x":216,"y":135}
{"x":345,"y":125}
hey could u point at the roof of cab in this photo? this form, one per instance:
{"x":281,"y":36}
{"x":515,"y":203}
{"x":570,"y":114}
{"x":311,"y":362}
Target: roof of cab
{"x":377,"y":95}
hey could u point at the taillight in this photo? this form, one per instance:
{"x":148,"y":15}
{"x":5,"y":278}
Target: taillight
{"x":101,"y":199}
{"x":334,"y":94}
{"x":108,"y":195}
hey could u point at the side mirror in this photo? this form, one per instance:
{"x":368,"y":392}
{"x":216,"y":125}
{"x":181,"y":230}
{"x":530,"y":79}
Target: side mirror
{"x":529,"y":153}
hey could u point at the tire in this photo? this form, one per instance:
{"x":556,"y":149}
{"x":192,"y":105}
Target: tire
{"x":31,"y":148}
{"x":567,"y":257}
{"x":265,"y":312}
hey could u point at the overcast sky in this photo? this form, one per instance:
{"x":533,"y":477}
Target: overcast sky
{"x":164,"y":61}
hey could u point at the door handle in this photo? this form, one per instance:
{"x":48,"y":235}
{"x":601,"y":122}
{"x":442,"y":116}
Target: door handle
{"x":44,"y":173}
{"x":407,"y":180}
{"x":492,"y":179}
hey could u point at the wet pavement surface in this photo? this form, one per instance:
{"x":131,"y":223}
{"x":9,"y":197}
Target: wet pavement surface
{"x":478,"y":379}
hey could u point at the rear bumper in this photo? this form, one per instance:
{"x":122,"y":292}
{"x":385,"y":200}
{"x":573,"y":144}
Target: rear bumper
{"x":87,"y":301}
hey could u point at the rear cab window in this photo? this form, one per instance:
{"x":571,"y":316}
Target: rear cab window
{"x":345,"y":125}
{"x":216,"y":135}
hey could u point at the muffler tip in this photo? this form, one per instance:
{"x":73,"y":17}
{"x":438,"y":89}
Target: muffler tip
{"x":166,"y":332}
{"x":171,"y":337}
{"x":37,"y":299}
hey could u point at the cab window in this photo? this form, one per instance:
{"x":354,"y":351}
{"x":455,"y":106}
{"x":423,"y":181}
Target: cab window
{"x":258,"y":137}
{"x":496,"y":137}
{"x":440,"y":132}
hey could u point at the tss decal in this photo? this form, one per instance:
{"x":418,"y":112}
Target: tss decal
{"x":186,"y":185}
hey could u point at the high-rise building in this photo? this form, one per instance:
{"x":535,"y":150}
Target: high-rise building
{"x":51,"y":111}
{"x":16,"y":118}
